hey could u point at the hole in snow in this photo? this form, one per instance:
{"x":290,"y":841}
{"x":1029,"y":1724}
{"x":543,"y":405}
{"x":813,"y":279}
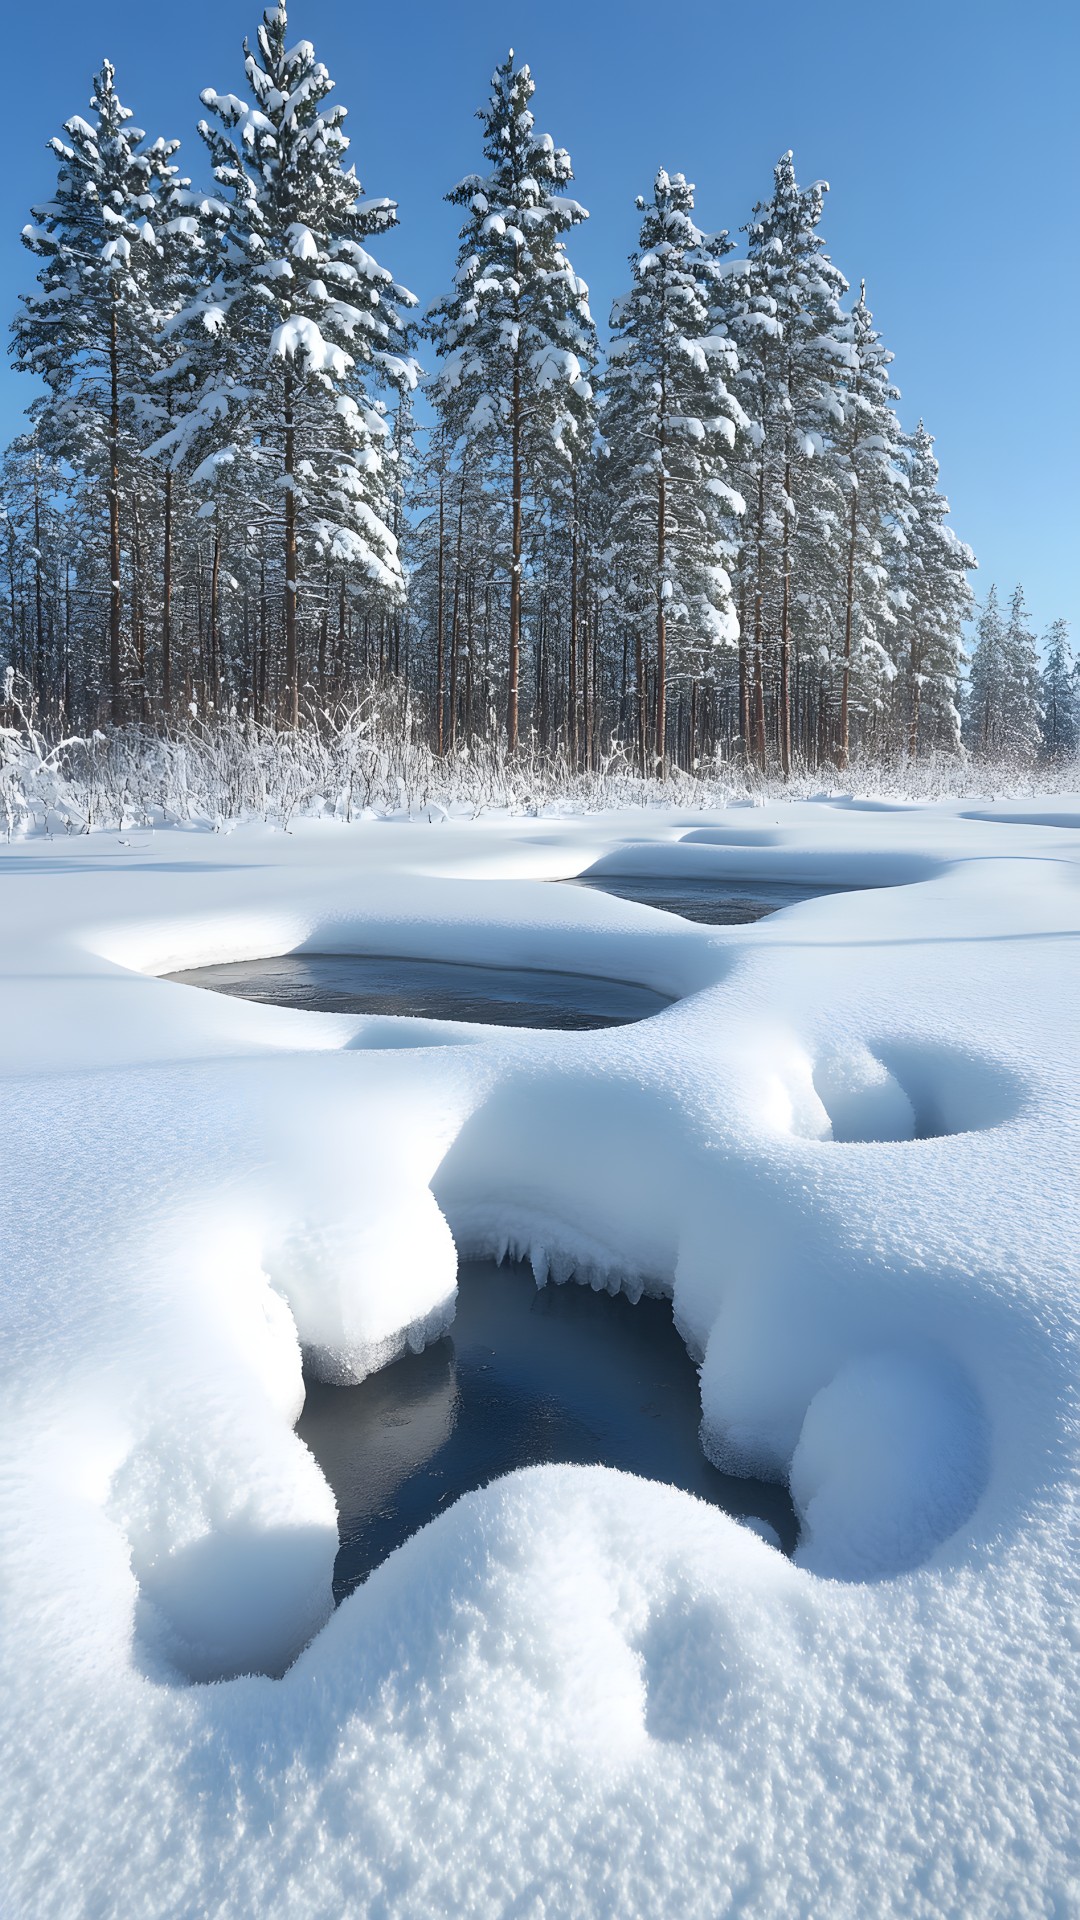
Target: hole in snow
{"x":912,"y":1090}
{"x":431,"y":989}
{"x":711,"y":902}
{"x":526,"y":1376}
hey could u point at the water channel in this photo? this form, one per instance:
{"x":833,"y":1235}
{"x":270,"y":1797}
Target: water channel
{"x":527,"y":1375}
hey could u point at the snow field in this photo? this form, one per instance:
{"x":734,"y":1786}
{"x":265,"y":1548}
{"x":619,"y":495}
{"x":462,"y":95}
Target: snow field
{"x":848,"y":1152}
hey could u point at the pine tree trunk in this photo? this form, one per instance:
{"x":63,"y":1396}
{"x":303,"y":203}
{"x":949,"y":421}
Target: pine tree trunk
{"x":916,"y":691}
{"x":116,"y":697}
{"x":215,"y":643}
{"x":744,"y":669}
{"x":515,"y":562}
{"x":454,"y":621}
{"x":757,"y":738}
{"x":785,"y":620}
{"x":340,"y":675}
{"x":661,"y":604}
{"x":39,"y":621}
{"x":849,"y":610}
{"x":166,"y":596}
{"x":292,"y":674}
{"x":572,"y":677}
{"x":440,"y":622}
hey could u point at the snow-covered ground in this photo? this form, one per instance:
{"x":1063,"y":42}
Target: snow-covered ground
{"x":850,"y":1150}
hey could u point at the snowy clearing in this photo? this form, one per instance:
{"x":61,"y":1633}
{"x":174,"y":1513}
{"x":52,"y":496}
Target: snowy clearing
{"x":849,"y":1151}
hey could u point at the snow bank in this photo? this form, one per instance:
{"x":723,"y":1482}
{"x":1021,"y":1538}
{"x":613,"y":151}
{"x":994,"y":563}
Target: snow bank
{"x":847,"y":1151}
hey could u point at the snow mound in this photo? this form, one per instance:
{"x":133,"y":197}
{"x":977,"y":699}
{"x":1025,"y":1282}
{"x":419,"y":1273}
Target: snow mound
{"x":890,"y":1462}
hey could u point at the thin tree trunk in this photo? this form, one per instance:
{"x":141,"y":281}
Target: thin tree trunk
{"x":661,"y":604}
{"x":785,"y":616}
{"x":642,"y":742}
{"x":849,"y":608}
{"x":166,"y":596}
{"x":572,"y":678}
{"x":440,"y":621}
{"x":454,"y":624}
{"x":39,"y":622}
{"x":116,"y":698}
{"x":515,"y":561}
{"x":292,"y":674}
{"x":916,"y":692}
{"x":215,"y":650}
{"x":758,"y":730}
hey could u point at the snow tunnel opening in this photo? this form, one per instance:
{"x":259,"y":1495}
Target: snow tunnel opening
{"x":527,"y":1375}
{"x":402,"y":986}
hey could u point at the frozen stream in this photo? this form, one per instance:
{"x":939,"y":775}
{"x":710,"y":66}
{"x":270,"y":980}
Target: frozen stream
{"x":495,"y":996}
{"x":527,"y":1375}
{"x":431,"y":989}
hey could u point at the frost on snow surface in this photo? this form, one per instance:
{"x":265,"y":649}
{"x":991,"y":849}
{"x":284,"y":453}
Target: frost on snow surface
{"x":849,"y":1151}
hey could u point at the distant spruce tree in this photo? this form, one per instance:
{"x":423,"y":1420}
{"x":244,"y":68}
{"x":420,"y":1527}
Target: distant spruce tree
{"x":1060,"y":694}
{"x":1003,"y":713}
{"x":515,"y":336}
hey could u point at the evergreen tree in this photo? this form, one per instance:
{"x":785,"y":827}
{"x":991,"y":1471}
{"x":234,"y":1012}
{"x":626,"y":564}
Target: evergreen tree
{"x":1003,"y":690}
{"x":932,"y":597}
{"x":1060,"y":694}
{"x":867,"y":448}
{"x":515,"y":334}
{"x":87,"y":332}
{"x":669,"y":422}
{"x":280,"y":342}
{"x":783,"y":310}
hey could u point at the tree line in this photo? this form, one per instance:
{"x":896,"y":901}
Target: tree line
{"x":715,"y":538}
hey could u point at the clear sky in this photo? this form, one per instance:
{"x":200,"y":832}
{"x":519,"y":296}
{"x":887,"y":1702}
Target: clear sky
{"x":946,"y":131}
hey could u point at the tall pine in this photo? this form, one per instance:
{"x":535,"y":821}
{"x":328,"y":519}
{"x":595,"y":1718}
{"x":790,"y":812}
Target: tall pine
{"x":88,"y":331}
{"x":932,"y":598}
{"x":515,"y":335}
{"x":290,"y":341}
{"x":669,"y":423}
{"x":1060,"y":694}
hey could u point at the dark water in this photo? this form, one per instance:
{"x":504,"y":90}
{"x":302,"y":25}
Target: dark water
{"x":713,"y":903}
{"x":527,"y":1375}
{"x":431,"y":989}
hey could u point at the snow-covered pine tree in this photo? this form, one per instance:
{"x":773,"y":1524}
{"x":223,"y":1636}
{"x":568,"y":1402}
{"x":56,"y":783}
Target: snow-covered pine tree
{"x":87,"y":331}
{"x":1060,"y":694}
{"x":986,"y":691}
{"x":867,"y":449}
{"x":783,"y":310}
{"x":285,"y":341}
{"x":1023,"y":712}
{"x":514,"y":334}
{"x":1002,"y":706}
{"x":932,"y":598}
{"x":189,"y":230}
{"x":669,"y":422}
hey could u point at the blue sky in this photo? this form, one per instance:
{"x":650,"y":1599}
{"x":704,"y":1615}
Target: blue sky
{"x":943,"y":129}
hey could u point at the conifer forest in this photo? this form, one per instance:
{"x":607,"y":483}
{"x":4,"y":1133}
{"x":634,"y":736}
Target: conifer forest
{"x":260,"y":482}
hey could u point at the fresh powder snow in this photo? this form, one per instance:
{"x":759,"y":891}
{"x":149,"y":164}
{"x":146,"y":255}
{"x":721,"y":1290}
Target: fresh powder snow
{"x":847,"y":1151}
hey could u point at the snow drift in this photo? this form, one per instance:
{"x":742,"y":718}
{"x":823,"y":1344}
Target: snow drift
{"x":847,"y":1151}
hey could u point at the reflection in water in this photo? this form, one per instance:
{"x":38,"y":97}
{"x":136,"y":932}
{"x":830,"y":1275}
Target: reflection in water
{"x":527,"y":1375}
{"x":713,"y":903}
{"x":430,"y":989}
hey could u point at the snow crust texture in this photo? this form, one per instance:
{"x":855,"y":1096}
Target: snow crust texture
{"x":847,"y":1151}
